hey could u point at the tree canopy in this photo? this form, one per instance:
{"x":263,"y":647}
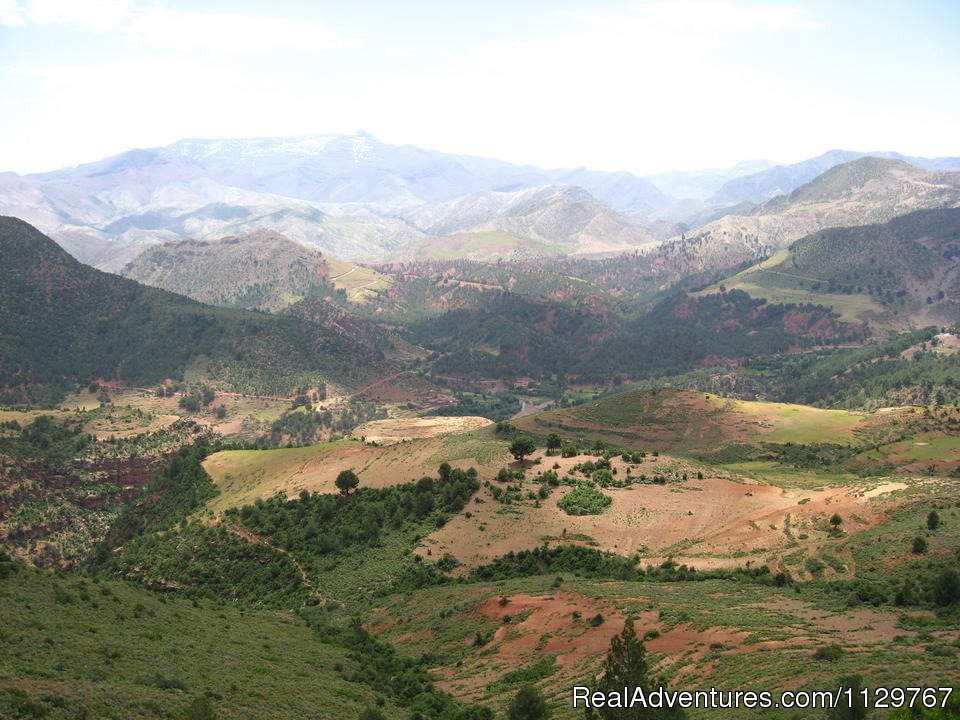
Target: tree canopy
{"x":522,"y":446}
{"x":346,"y":481}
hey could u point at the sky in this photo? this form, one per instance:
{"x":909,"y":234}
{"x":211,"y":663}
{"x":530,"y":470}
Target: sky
{"x":640,"y":86}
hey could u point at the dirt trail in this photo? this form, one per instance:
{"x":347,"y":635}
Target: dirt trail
{"x":254,"y":538}
{"x":362,"y":390}
{"x":219,"y":392}
{"x":337,"y":277}
{"x":531,"y":408}
{"x":357,"y":291}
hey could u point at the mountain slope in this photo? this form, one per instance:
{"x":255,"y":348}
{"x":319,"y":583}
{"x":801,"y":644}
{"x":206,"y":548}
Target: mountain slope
{"x":512,"y":336}
{"x":157,"y":651}
{"x":863,"y":192}
{"x":701,"y":184}
{"x":566,"y":219}
{"x":63,"y":323}
{"x":261,"y":270}
{"x":783,"y":179}
{"x":901,"y":272}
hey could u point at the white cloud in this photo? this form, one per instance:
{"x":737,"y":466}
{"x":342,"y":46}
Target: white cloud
{"x":10,"y":13}
{"x":160,"y":26}
{"x":700,"y":16}
{"x":169,"y":28}
{"x":644,"y":89}
{"x":89,"y":14}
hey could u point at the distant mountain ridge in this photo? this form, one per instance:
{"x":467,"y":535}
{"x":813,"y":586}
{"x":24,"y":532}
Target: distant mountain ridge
{"x":567,"y":217}
{"x":354,"y":196}
{"x":342,"y":194}
{"x":863,"y":192}
{"x":784,"y":179}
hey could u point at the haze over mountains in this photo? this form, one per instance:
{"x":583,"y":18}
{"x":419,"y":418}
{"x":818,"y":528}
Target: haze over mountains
{"x":353,"y":196}
{"x":862,"y":192}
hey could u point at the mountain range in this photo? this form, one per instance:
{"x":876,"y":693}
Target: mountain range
{"x":862,"y":192}
{"x":353,"y":196}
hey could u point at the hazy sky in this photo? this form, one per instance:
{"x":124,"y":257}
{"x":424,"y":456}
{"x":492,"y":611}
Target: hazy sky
{"x":640,"y":86}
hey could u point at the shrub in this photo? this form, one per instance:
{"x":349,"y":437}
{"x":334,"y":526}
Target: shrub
{"x":830,"y":653}
{"x":528,"y":704}
{"x":584,"y":499}
{"x":946,"y":590}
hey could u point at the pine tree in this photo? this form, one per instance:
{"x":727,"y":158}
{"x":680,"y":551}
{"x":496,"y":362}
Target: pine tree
{"x":857,"y":710}
{"x":626,"y":666}
{"x":528,"y":704}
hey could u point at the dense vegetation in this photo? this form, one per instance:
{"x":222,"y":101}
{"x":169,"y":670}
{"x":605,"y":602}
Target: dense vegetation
{"x":271,"y":552}
{"x":319,"y":529}
{"x":596,"y":341}
{"x":303,"y":425}
{"x":584,"y":499}
{"x":872,"y":376}
{"x":43,"y":440}
{"x":592,"y":563}
{"x":407,"y":682}
{"x":907,"y":368}
{"x":76,"y":647}
{"x":104,"y":326}
{"x":173,"y":493}
{"x":495,"y":406}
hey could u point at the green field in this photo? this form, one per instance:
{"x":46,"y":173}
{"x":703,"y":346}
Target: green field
{"x":245,"y":475}
{"x":692,"y":423}
{"x":359,"y":282}
{"x":800,"y":423}
{"x":773,"y":281}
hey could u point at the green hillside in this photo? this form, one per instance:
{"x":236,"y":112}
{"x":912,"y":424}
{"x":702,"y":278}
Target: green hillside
{"x":81,"y":648}
{"x":836,"y":182}
{"x":64,"y":323}
{"x":515,"y":336}
{"x":901,"y":272}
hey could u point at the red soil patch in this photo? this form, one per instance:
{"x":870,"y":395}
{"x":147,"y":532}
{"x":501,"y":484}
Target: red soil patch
{"x":542,"y":626}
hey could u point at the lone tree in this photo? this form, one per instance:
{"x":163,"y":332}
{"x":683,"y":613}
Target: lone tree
{"x":933,"y":520}
{"x":521,"y":447}
{"x":626,"y":666}
{"x":346,"y":481}
{"x":554,"y":441}
{"x":528,"y":704}
{"x":946,"y":591}
{"x":836,"y":521}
